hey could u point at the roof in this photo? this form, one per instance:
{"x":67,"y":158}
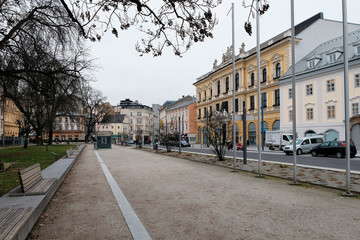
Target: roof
{"x":115,"y":118}
{"x":283,"y":35}
{"x":127,"y":103}
{"x":322,"y":51}
{"x":182,"y":102}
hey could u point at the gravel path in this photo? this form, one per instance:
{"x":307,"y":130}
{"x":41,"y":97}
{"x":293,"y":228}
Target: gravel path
{"x":182,"y":199}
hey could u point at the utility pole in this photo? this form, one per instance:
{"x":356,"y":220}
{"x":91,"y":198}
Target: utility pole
{"x":258,"y":85}
{"x":244,"y":133}
{"x":179,"y":135}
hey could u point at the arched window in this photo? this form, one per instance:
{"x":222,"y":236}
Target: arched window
{"x":227,"y":85}
{"x":278,"y":70}
{"x":252,"y":133}
{"x":252,"y":79}
{"x":218,"y":88}
{"x":276,"y":125}
{"x":310,"y":133}
{"x":331,"y":135}
{"x":237,"y":81}
{"x":264,"y":79}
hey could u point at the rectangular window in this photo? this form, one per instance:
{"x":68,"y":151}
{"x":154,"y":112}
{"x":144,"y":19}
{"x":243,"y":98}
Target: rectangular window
{"x":309,"y":113}
{"x":224,"y":106}
{"x":252,"y":102}
{"x":236,"y":105}
{"x":210,"y":93}
{"x":264,"y":100}
{"x":277,"y":97}
{"x":290,"y":115}
{"x":290,"y":93}
{"x":204,"y":95}
{"x":205,"y":113}
{"x":357,"y":80}
{"x":332,"y":57}
{"x":355,"y":109}
{"x":199,"y":115}
{"x":210,"y":111}
{"x":199,"y":98}
{"x":330,"y":85}
{"x":331,"y":112}
{"x":217,"y":107}
{"x":309,"y":89}
{"x":312,"y":64}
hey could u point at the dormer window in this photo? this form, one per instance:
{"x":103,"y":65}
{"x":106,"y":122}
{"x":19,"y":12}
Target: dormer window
{"x":334,"y":54}
{"x":358,"y":49}
{"x":332,"y":57}
{"x":312,"y":64}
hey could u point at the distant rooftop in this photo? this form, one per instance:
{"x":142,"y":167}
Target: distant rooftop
{"x":116,"y":118}
{"x":127,"y":103}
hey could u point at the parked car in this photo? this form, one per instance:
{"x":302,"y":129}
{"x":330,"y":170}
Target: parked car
{"x":185,"y":144}
{"x":131,"y":141}
{"x":303,"y":145}
{"x":333,"y":148}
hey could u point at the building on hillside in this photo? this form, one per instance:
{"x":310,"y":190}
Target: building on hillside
{"x":69,"y":127}
{"x":214,"y":89}
{"x":319,"y":89}
{"x":141,"y":119}
{"x":184,"y":108}
{"x":117,"y":124}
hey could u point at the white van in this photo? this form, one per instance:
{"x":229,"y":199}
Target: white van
{"x":303,"y":145}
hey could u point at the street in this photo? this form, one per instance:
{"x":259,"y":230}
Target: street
{"x":181,"y":199}
{"x":281,"y":157}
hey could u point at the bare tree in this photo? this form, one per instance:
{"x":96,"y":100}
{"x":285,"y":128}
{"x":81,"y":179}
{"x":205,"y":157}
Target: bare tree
{"x":263,"y":7}
{"x":217,"y":130}
{"x":95,"y":108}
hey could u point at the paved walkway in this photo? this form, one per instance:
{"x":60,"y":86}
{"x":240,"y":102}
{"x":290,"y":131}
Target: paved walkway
{"x":181,"y":199}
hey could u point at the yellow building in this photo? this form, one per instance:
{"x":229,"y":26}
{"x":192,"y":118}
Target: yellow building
{"x":12,"y":117}
{"x":214,"y":91}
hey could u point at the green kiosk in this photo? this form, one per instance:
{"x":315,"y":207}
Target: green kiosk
{"x":103,"y":139}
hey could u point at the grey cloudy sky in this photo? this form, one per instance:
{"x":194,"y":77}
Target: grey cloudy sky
{"x":124,"y":74}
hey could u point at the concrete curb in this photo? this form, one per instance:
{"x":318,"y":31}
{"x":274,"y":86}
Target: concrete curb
{"x":58,"y":170}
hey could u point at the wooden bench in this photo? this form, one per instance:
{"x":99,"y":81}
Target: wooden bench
{"x":12,"y":220}
{"x":32,"y":182}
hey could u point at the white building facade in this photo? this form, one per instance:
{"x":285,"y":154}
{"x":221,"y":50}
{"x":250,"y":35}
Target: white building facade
{"x":320,"y":91}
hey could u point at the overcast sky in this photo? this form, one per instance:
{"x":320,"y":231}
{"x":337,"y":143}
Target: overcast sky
{"x":124,"y":74}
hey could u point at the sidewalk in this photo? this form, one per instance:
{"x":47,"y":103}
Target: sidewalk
{"x":181,"y":199}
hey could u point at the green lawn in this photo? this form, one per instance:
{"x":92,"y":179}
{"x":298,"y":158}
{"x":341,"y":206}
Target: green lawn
{"x":24,"y":158}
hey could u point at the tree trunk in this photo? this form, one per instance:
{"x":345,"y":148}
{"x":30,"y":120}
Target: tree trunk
{"x":26,"y":141}
{"x":50,"y":136}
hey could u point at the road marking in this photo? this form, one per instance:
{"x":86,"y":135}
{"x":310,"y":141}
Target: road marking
{"x":137,"y":229}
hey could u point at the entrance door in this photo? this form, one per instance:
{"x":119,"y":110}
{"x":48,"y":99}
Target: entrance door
{"x":355,"y":135}
{"x":252,"y":133}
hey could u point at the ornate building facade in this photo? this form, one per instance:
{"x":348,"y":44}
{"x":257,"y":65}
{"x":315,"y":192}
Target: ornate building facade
{"x":214,"y":90}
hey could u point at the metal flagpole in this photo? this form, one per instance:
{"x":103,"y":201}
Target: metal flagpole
{"x":233,"y":78}
{"x":258,"y":85}
{"x":346,"y":100}
{"x":293,"y":92}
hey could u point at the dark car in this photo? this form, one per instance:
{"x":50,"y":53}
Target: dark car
{"x":333,"y":148}
{"x":185,"y":144}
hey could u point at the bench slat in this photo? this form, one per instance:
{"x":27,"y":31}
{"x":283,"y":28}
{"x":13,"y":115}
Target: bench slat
{"x":31,"y":182}
{"x":30,"y":173}
{"x":43,"y":186}
{"x":29,"y":168}
{"x":14,"y":222}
